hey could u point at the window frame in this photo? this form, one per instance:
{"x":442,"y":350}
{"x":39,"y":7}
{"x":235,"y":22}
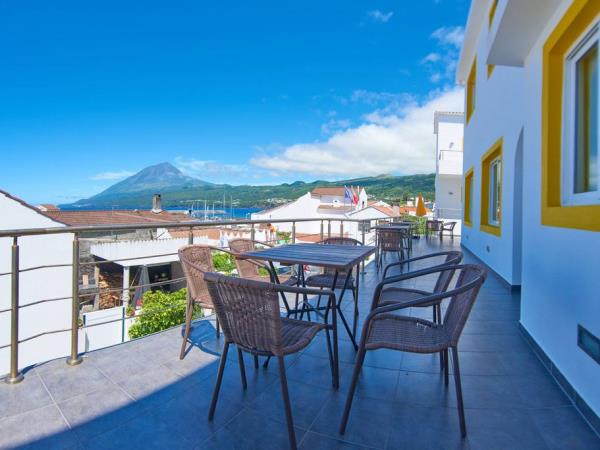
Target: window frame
{"x":492,"y":156}
{"x":468,"y":200}
{"x":471,"y":87}
{"x":569,"y":197}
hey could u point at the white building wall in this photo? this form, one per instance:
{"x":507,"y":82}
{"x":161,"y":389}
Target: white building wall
{"x":556,"y":267}
{"x":34,"y":286}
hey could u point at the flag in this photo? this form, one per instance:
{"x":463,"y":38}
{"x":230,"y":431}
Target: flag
{"x":347,"y":194}
{"x":354,"y":197}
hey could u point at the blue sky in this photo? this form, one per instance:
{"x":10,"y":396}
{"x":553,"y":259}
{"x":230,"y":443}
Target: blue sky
{"x":238,"y":92}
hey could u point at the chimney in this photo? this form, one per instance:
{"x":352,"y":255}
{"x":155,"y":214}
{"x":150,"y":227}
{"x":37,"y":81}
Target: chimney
{"x":156,"y":204}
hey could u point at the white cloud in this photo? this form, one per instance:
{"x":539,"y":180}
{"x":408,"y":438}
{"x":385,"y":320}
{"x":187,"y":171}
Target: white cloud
{"x":378,"y":16}
{"x":441,"y":64}
{"x":431,"y":58}
{"x":112,"y":175}
{"x":203,"y":168}
{"x":399,"y":141}
{"x":333,"y":125}
{"x":453,"y":36}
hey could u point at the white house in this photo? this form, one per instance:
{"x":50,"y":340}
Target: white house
{"x":321,"y":203}
{"x":35,"y":285}
{"x":448,"y":128}
{"x":531,"y":172}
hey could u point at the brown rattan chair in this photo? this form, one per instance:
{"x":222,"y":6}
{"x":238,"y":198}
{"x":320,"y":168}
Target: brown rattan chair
{"x":196,"y":260}
{"x":250,"y":316}
{"x":394,"y":294}
{"x":325,"y":279}
{"x":433,"y":227}
{"x":448,"y":227}
{"x":384,"y":329}
{"x":392,"y":241}
{"x":250,"y":268}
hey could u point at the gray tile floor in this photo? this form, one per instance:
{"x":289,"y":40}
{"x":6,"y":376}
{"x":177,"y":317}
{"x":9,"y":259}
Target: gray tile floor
{"x":140,"y":395}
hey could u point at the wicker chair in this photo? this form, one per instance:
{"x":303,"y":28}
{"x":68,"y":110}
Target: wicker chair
{"x":448,"y":227}
{"x":250,"y":316}
{"x":324,"y":280}
{"x":393,"y":295}
{"x":250,"y":268}
{"x":384,"y":329}
{"x":392,"y":241}
{"x":196,"y":260}
{"x":433,"y":227}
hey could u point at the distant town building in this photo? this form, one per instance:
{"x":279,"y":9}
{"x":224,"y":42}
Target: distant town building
{"x":448,"y":128}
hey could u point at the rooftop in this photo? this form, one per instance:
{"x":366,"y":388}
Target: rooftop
{"x":115,"y":217}
{"x":140,"y":395}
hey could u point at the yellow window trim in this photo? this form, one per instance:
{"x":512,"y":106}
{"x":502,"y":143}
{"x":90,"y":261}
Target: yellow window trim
{"x":569,"y":29}
{"x":495,"y":152}
{"x":471,"y":86}
{"x":490,"y":69}
{"x":468,"y":207}
{"x":492,"y":13}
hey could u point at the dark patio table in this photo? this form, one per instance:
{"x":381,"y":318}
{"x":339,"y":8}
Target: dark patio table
{"x":340,"y":258}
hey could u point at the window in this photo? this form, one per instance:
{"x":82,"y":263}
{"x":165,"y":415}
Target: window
{"x":468,"y":201}
{"x":471,"y":81}
{"x":580,"y":147}
{"x":492,"y":13}
{"x":570,"y":186}
{"x":491,"y":189}
{"x":495,"y":188}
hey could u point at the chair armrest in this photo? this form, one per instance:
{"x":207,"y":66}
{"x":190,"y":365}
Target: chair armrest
{"x":416,"y":258}
{"x":416,"y":302}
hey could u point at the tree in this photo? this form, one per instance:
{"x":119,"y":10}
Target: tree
{"x":161,"y":310}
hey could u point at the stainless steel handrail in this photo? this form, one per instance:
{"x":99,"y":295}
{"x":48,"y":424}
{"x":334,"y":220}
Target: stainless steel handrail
{"x":77,"y":298}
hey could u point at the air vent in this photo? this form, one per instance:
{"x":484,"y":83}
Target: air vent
{"x":588,"y":343}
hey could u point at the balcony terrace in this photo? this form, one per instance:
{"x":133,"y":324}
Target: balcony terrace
{"x":140,"y":395}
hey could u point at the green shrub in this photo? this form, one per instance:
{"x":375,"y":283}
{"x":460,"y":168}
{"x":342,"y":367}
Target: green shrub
{"x":223,"y":262}
{"x":161,"y":310}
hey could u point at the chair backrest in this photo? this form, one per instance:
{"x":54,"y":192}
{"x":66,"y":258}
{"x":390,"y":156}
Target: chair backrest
{"x":391,"y":240}
{"x":434,"y":225}
{"x":196,"y":261}
{"x":245,"y":268}
{"x":340,"y":241}
{"x":248,"y":311}
{"x":461,"y":304}
{"x":452,"y":258}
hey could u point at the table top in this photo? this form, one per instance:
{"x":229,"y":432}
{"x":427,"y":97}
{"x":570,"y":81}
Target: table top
{"x":322,"y":255}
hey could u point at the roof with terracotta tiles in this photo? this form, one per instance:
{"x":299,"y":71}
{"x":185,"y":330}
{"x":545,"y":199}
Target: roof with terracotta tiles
{"x":115,"y":217}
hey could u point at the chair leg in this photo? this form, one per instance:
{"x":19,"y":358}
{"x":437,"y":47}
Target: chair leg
{"x":255,"y":361}
{"x":286,"y":402}
{"x":215,"y":395}
{"x":459,"y":397}
{"x":242,"y":368}
{"x":445,"y":369}
{"x":357,"y":367}
{"x":186,"y":332}
{"x":218,"y":327}
{"x":330,"y":354}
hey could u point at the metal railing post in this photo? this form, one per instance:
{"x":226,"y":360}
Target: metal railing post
{"x":14,"y":376}
{"x":293,"y":232}
{"x":191,"y":236}
{"x":328,"y":228}
{"x":322,"y":226}
{"x":253,"y":233}
{"x":341,"y":228}
{"x":363,"y":226}
{"x":75,"y":359}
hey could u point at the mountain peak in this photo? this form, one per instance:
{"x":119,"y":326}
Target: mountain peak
{"x":158,"y":177}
